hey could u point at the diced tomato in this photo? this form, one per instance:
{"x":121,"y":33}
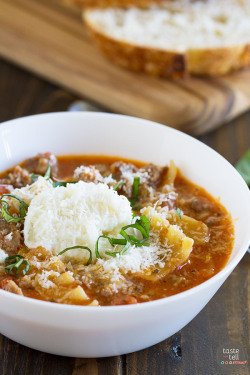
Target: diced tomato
{"x":4,"y":189}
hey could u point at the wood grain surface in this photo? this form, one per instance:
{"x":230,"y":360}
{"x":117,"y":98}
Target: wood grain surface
{"x":192,"y":351}
{"x":49,"y":39}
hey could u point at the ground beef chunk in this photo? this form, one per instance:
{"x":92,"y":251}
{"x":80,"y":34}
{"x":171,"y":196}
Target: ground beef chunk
{"x":40,"y":163}
{"x":125,"y":172}
{"x":103,"y":169}
{"x":150,"y":176}
{"x":18,"y":178}
{"x":199,"y":205}
{"x":154,"y":173}
{"x":119,"y":168}
{"x":88,"y":174}
{"x":10,"y":237}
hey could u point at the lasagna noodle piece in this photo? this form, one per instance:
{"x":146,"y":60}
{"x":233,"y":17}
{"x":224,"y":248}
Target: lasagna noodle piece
{"x":181,"y":245}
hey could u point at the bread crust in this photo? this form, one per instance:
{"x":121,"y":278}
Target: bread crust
{"x":170,"y":64}
{"x":154,"y":62}
{"x":218,"y":61}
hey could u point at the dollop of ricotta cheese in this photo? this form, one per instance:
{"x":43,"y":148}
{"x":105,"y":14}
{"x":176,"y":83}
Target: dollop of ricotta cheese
{"x":77,"y":214}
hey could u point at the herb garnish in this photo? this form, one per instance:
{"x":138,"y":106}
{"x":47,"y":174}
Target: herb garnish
{"x":115,"y":253}
{"x":23,"y":207}
{"x":63,"y":183}
{"x":47,"y":173}
{"x":118,"y":184}
{"x":243,"y":167}
{"x":135,"y":191}
{"x":142,"y":224}
{"x":179,"y":212}
{"x":79,"y":247}
{"x":34,"y":176}
{"x":112,"y":241}
{"x":16,"y":261}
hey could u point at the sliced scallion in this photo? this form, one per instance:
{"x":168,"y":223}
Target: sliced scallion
{"x":23,"y":207}
{"x":63,"y":183}
{"x":179,"y":212}
{"x":115,"y":253}
{"x":16,"y":261}
{"x":79,"y":247}
{"x":34,"y":176}
{"x":135,"y":191}
{"x":143,"y":225}
{"x":47,"y":173}
{"x":118,"y":184}
{"x":112,"y":241}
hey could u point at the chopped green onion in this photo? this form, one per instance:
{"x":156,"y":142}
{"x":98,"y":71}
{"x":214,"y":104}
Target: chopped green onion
{"x":59,"y":183}
{"x":63,"y":183}
{"x":135,"y":191}
{"x":115,"y":253}
{"x":22,"y":203}
{"x":79,"y":247}
{"x":119,"y":183}
{"x":23,"y":207}
{"x":143,"y":225}
{"x":179,"y":212}
{"x":112,"y":241}
{"x":146,"y":223}
{"x":7,"y":217}
{"x":16,"y":262}
{"x":34,"y":177}
{"x":47,"y":173}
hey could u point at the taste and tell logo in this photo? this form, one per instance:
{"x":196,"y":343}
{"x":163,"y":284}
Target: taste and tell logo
{"x":231,"y":354}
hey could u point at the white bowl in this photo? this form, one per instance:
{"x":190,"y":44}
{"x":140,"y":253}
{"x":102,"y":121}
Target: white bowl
{"x":81,"y":331}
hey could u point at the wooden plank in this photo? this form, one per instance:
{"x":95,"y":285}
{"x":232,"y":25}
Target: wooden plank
{"x":190,"y":351}
{"x":49,"y":39}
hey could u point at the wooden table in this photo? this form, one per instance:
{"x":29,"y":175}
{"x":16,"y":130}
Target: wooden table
{"x":192,"y":351}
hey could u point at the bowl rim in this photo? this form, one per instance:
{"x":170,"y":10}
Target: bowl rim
{"x":157,"y":303}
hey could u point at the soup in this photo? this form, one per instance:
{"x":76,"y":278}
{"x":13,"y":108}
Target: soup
{"x":98,"y":230}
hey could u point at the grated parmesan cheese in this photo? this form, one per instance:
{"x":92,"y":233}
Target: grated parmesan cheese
{"x":9,"y":236}
{"x":27,"y":193}
{"x":89,"y":172}
{"x":92,"y":174}
{"x":3,"y":255}
{"x":136,"y":259}
{"x":44,"y":281}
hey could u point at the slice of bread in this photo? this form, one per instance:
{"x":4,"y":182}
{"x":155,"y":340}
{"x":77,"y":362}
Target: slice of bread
{"x":174,"y":38}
